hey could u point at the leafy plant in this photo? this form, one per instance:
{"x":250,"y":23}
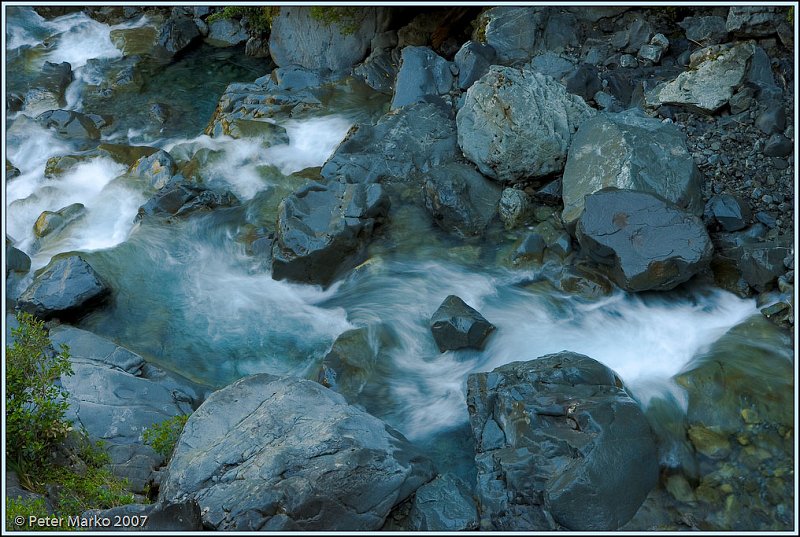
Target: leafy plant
{"x":348,"y":18}
{"x":18,"y":507}
{"x":163,"y":436}
{"x":258,"y":17}
{"x":35,"y":403}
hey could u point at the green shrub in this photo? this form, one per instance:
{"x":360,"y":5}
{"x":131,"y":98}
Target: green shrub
{"x":163,"y":436}
{"x":259,"y":17}
{"x":18,"y":507}
{"x":35,"y":406}
{"x":349,"y":18}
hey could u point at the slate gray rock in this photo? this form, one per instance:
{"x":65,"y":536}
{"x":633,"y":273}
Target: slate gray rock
{"x":730,"y":212}
{"x":177,"y":34}
{"x":116,"y":407}
{"x":157,"y":168}
{"x":772,"y":119}
{"x":532,"y":246}
{"x":455,"y":325}
{"x":180,"y":199}
{"x":88,"y":347}
{"x":70,"y":125}
{"x":67,"y":287}
{"x":630,"y":151}
{"x":12,"y":172}
{"x":268,"y":453}
{"x":759,"y":261}
{"x":559,"y":445}
{"x":778,"y":145}
{"x":423,"y":75}
{"x":323,"y":229}
{"x":755,"y":21}
{"x":583,"y":81}
{"x":706,"y":30}
{"x":715,"y":73}
{"x":226,"y":33}
{"x":403,"y":144}
{"x":379,"y":69}
{"x":296,"y":37}
{"x":50,"y":222}
{"x":47,"y":92}
{"x":354,"y":356}
{"x":515,"y":207}
{"x":460,"y":199}
{"x":647,"y":242}
{"x":444,"y":504}
{"x":517,"y":123}
{"x":512,"y":32}
{"x":473,"y":61}
{"x":16,"y":260}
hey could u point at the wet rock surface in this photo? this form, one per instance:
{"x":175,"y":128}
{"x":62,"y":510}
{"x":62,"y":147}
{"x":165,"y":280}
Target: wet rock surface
{"x":455,"y":325}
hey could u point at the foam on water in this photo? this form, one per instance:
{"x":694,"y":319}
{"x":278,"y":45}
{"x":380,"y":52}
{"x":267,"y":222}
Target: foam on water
{"x":311,"y":143}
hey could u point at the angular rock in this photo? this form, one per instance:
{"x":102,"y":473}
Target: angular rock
{"x":116,"y":407}
{"x":778,"y":145}
{"x":70,"y":124}
{"x":473,"y":61}
{"x":379,"y":69}
{"x":515,"y":207}
{"x":297,"y":37}
{"x":86,"y":347}
{"x":460,"y":199}
{"x":444,"y":504}
{"x":12,"y":172}
{"x":352,"y":359}
{"x":707,"y":30}
{"x":772,"y":120}
{"x":719,"y":71}
{"x":274,"y":454}
{"x":517,"y":123}
{"x":402,"y":145}
{"x":648,"y":242}
{"x":551,"y":64}
{"x":550,"y":193}
{"x":423,"y":75}
{"x":67,"y":286}
{"x":455,"y":325}
{"x":559,"y":445}
{"x":584,"y":81}
{"x":50,"y":222}
{"x":257,"y":47}
{"x":157,"y":168}
{"x":730,"y":212}
{"x":226,"y":33}
{"x":512,"y":32}
{"x":531,"y":247}
{"x":634,"y":152}
{"x":323,"y":229}
{"x":47,"y":91}
{"x":16,"y":260}
{"x":177,"y":34}
{"x":178,"y":199}
{"x":756,"y":21}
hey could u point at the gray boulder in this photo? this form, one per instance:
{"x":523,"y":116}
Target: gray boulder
{"x":756,"y":260}
{"x":297,"y":37}
{"x":70,"y":125}
{"x":517,"y":123}
{"x":708,"y":30}
{"x":730,"y":212}
{"x":473,"y":61}
{"x":379,"y":69}
{"x":157,"y":168}
{"x":402,"y":145}
{"x":352,"y":360}
{"x":47,"y":91}
{"x":50,"y":222}
{"x":515,"y":207}
{"x":460,"y":199}
{"x":179,"y":199}
{"x":16,"y":260}
{"x":226,"y":33}
{"x":714,"y":75}
{"x":86,"y":347}
{"x":444,"y":504}
{"x":423,"y":75}
{"x":66,"y":287}
{"x":634,"y":152}
{"x":116,"y":407}
{"x":268,"y":453}
{"x":559,"y":445}
{"x":177,"y":34}
{"x":323,"y":230}
{"x":512,"y":32}
{"x":455,"y":325}
{"x":647,"y":242}
{"x":755,"y":21}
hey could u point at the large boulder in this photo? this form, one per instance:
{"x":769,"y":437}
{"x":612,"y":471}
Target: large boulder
{"x":323,"y":229}
{"x":332,"y":46}
{"x":67,"y":287}
{"x":455,"y":325}
{"x":444,"y":504}
{"x":16,"y":259}
{"x":90,"y":348}
{"x":473,"y":61}
{"x":559,"y":445}
{"x":177,"y":34}
{"x":403,"y":144}
{"x":47,"y":91}
{"x":517,"y":123}
{"x":460,"y":199}
{"x":226,"y":33}
{"x":116,"y":407}
{"x":648,"y":242}
{"x":268,"y":453}
{"x":379,"y":69}
{"x":513,"y":32}
{"x":714,"y":75}
{"x":181,"y":198}
{"x":634,"y":152}
{"x":423,"y":75}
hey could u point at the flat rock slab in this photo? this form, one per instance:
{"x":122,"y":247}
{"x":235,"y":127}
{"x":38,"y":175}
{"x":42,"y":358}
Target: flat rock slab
{"x":455,"y":325}
{"x":268,"y":453}
{"x":559,"y":445}
{"x":88,"y":347}
{"x":648,"y":243}
{"x":66,"y":287}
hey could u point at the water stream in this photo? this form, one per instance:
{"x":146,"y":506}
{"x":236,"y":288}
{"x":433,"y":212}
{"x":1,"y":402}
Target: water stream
{"x":189,"y":297}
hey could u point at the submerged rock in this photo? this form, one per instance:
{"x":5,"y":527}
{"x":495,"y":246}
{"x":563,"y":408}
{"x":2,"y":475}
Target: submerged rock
{"x":517,"y":123}
{"x":178,"y":199}
{"x":559,"y":445}
{"x":67,"y":287}
{"x":323,"y":229}
{"x":630,"y":151}
{"x":648,"y":243}
{"x":268,"y":453}
{"x":70,"y":124}
{"x":455,"y":325}
{"x":460,"y":199}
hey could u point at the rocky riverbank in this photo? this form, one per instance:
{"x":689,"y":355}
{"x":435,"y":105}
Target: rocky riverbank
{"x":586,"y":155}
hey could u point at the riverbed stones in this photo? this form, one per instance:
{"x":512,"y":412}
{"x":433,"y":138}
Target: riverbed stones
{"x":287,"y":453}
{"x":511,"y":31}
{"x":182,"y":198}
{"x":707,"y":30}
{"x":460,"y":199}
{"x":517,"y":124}
{"x":730,"y":212}
{"x":472,"y":60}
{"x":16,"y":260}
{"x":68,"y":286}
{"x":714,"y":75}
{"x":403,"y":145}
{"x":50,"y":222}
{"x":332,"y":47}
{"x":47,"y":91}
{"x":559,"y":445}
{"x":647,"y":242}
{"x":630,"y":151}
{"x":455,"y":325}
{"x":754,"y":21}
{"x":70,"y":124}
{"x":444,"y":504}
{"x":157,"y":168}
{"x":423,"y":75}
{"x":323,"y":229}
{"x":177,"y":34}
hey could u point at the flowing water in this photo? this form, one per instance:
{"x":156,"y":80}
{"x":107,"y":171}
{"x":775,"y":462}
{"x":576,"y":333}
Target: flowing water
{"x":189,"y":297}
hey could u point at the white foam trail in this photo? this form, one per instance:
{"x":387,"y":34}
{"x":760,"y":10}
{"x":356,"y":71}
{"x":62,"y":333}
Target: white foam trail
{"x":311,"y":143}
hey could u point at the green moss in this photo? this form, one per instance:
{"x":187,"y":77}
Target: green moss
{"x":163,"y":436}
{"x":347,"y":18}
{"x":259,"y":17}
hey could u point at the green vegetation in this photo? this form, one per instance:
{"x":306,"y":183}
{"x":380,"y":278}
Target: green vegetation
{"x":35,"y":405}
{"x":163,"y":436}
{"x":348,"y":18}
{"x":32,"y":507}
{"x":259,"y":17}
